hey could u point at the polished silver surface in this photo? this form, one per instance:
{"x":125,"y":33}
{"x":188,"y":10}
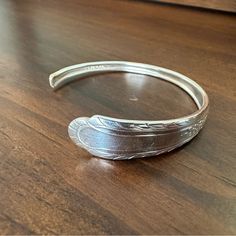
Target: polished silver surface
{"x":120,"y":139}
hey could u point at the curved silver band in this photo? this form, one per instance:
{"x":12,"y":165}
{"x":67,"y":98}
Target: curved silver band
{"x":119,"y":139}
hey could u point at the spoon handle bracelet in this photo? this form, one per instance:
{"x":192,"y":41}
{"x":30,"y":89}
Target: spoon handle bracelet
{"x":119,"y":139}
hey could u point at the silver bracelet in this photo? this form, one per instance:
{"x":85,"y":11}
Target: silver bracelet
{"x":119,"y":139}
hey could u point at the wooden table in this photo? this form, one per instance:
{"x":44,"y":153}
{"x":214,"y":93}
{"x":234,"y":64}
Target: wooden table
{"x":50,"y":186}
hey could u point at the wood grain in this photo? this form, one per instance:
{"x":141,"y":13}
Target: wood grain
{"x":225,"y":5}
{"x":48,"y":185}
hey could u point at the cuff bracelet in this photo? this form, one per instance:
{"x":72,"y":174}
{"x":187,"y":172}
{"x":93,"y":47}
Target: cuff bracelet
{"x":119,"y":139}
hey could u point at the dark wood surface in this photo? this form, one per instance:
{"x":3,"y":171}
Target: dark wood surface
{"x":50,"y":186}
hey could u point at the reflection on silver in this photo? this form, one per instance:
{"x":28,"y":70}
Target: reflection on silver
{"x":120,"y":139}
